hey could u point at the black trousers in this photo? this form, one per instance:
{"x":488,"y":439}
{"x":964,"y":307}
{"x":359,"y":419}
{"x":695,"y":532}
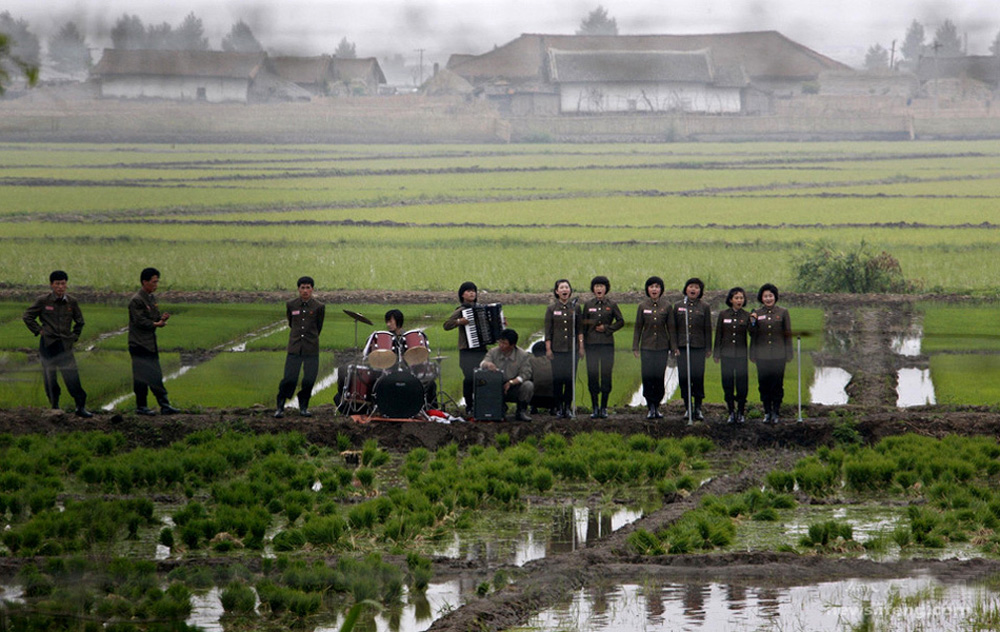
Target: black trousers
{"x":147,"y":376}
{"x":57,"y":357}
{"x":654,"y":365}
{"x":697,"y":375}
{"x":562,"y":378}
{"x":309,"y":365}
{"x":468,"y":360}
{"x":735,"y":380}
{"x":600,"y":362}
{"x":771,"y":382}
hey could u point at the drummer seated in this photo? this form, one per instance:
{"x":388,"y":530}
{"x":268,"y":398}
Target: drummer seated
{"x":515,"y":364}
{"x":426,"y":372}
{"x":394,"y":323}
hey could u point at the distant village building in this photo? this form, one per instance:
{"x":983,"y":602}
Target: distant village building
{"x":869,"y":84}
{"x":356,"y":76}
{"x":314,"y":74}
{"x":537,"y":74}
{"x":982,"y":68}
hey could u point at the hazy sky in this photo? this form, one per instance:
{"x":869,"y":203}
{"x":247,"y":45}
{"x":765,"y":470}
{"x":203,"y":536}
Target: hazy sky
{"x":842,"y":29}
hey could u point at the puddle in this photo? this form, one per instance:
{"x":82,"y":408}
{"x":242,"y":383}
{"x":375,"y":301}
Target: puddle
{"x":166,"y":378}
{"x":206,"y":610}
{"x":321,"y":385}
{"x":913,"y":603}
{"x":908,"y":344}
{"x":565,"y":529}
{"x":260,"y":333}
{"x":670,"y":382}
{"x":419,"y":611}
{"x":829,"y":386}
{"x":914,"y":388}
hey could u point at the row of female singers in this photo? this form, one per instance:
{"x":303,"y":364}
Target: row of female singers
{"x":683,"y":330}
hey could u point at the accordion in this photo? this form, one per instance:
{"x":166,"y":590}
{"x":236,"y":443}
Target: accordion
{"x":485,"y":324}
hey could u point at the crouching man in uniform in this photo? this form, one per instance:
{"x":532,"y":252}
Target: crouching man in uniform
{"x":515,"y":364}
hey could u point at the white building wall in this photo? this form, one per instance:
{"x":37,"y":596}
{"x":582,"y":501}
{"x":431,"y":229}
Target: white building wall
{"x":216,"y":89}
{"x":647,"y":97}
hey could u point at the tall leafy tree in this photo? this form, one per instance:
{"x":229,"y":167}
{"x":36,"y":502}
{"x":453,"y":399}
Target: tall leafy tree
{"x":160,"y":37}
{"x":10,"y":62}
{"x":598,"y":22}
{"x":345,"y":50}
{"x":128,"y":33}
{"x":877,"y":58}
{"x":23,"y":44}
{"x":913,"y":44}
{"x":68,"y":50}
{"x":190,"y":35}
{"x":946,"y":39}
{"x":241,"y":40}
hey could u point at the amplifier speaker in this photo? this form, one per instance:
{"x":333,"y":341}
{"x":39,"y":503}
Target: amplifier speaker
{"x":488,"y":393}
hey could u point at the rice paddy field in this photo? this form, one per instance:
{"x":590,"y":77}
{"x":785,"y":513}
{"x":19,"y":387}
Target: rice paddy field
{"x":880,"y":511}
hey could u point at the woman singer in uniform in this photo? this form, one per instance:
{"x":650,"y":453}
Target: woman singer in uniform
{"x":731,"y":330}
{"x":770,"y":349}
{"x":651,"y":343}
{"x":563,"y":340}
{"x":691,"y":339}
{"x":601,"y":319}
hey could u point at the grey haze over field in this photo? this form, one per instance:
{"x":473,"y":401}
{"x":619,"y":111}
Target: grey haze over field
{"x":841,"y":29}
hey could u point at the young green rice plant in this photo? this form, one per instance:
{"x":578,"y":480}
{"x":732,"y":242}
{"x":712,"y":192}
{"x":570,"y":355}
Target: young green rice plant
{"x":237,"y":598}
{"x":829,"y":535}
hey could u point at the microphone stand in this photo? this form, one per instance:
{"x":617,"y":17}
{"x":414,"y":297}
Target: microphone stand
{"x":572,"y":388}
{"x":687,"y":347}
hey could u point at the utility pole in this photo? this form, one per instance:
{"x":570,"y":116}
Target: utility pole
{"x":421,"y":51}
{"x":892,"y":56}
{"x":937,"y":76}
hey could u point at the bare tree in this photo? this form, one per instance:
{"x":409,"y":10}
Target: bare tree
{"x":241,"y":40}
{"x":597,"y":22}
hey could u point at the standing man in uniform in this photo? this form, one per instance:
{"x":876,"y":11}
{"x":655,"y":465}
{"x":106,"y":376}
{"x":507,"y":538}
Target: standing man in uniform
{"x":144,"y":318}
{"x":305,"y":322}
{"x":601,"y":319}
{"x":56,"y":318}
{"x":515,"y":364}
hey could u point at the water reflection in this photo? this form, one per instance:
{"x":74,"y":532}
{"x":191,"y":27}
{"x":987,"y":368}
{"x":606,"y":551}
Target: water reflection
{"x":908,"y":344}
{"x":670,"y":382}
{"x":914,"y":388}
{"x":573,"y":528}
{"x":919,"y":602}
{"x":829,"y":386}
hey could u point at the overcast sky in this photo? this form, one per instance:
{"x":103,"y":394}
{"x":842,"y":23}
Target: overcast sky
{"x":842,"y":29}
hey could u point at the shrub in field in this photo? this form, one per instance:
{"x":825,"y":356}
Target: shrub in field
{"x":827,"y":269}
{"x":238,"y":598}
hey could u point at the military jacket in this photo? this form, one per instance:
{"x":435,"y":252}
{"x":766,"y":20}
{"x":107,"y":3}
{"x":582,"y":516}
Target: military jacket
{"x":771,"y":335}
{"x":55,"y":319}
{"x":562,"y":321}
{"x":305,"y":322}
{"x":731,"y":331}
{"x":601,"y":312}
{"x":651,"y":326}
{"x":143,"y":312}
{"x":697,"y":317}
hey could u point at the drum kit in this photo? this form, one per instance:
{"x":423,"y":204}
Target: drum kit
{"x":391,"y":378}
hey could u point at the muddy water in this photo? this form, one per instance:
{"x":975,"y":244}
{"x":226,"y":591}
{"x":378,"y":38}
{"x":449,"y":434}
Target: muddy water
{"x":910,"y":603}
{"x":559,"y":530}
{"x":829,"y":386}
{"x":914,"y":388}
{"x":908,"y":344}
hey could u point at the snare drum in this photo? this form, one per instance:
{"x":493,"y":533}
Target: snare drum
{"x":416,"y":349}
{"x":380,"y":350}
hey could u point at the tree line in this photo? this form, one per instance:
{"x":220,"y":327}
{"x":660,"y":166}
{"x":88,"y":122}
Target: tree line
{"x":946,"y":43}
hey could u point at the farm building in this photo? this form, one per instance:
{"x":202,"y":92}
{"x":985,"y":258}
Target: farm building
{"x":518,"y":76}
{"x":210,"y":76}
{"x":651,"y":81}
{"x":314,"y":74}
{"x":982,"y":68}
{"x":356,"y":76}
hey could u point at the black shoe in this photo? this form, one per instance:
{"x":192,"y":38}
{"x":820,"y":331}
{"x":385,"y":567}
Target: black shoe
{"x":145,"y":410}
{"x":685,"y":415}
{"x":521,"y":415}
{"x":167,"y":409}
{"x":767,"y":417}
{"x":568,"y":413}
{"x":698,"y":415}
{"x":741,"y":418}
{"x":651,"y":414}
{"x":279,"y":413}
{"x":731,"y":419}
{"x":656,"y":413}
{"x":304,"y":412}
{"x":604,"y":412}
{"x":81,"y":411}
{"x":596,"y":414}
{"x":559,"y":414}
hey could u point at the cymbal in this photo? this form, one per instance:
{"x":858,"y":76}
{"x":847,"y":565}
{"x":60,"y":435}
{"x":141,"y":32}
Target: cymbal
{"x":358,"y":317}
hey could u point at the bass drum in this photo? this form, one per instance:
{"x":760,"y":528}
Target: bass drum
{"x":399,"y":395}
